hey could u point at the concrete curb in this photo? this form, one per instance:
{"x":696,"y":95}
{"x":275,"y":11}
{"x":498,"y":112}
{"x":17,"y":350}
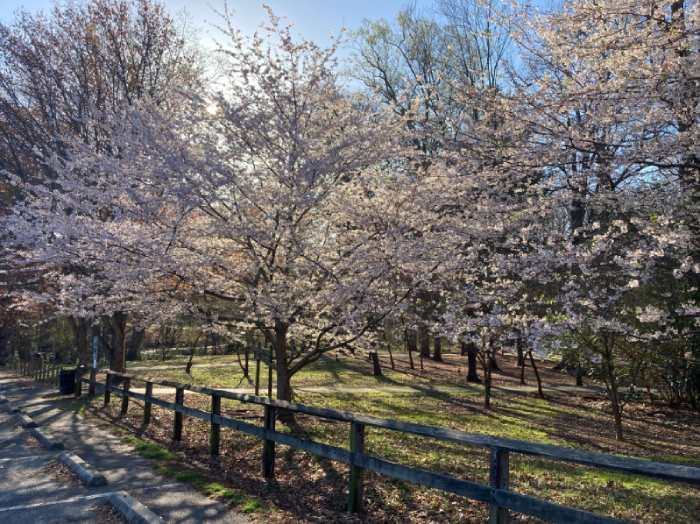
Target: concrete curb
{"x":25,"y":420}
{"x":46,"y":440}
{"x":134,"y":512}
{"x":3,"y":399}
{"x":88,"y":476}
{"x":10,"y":408}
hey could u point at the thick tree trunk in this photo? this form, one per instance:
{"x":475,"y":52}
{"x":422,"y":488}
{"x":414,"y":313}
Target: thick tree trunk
{"x":579,"y":375}
{"x":521,"y":357}
{"x":424,"y":340}
{"x":284,"y":386}
{"x":375,"y":363}
{"x":437,"y":349}
{"x":117,"y":358}
{"x":472,"y":373}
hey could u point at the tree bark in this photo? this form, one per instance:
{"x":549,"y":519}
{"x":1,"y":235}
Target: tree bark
{"x":437,"y":349}
{"x":375,"y":363}
{"x":411,"y":345}
{"x":424,"y":340}
{"x":521,"y":357}
{"x":540,"y":393}
{"x":284,"y":387}
{"x":117,"y":358}
{"x":472,"y":373}
{"x":613,"y":393}
{"x":488,"y":363}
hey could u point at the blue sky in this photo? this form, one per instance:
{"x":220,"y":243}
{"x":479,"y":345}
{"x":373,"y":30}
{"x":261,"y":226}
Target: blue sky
{"x":311,"y":18}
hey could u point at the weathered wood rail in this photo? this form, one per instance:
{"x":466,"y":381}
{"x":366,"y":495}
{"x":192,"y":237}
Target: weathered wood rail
{"x":497,"y":494}
{"x":44,"y":372}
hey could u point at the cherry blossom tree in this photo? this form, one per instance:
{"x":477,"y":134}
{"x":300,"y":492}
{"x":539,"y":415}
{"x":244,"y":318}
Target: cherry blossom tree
{"x":57,"y":71}
{"x":264,"y":205}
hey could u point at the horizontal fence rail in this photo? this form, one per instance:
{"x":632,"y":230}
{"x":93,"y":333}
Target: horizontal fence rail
{"x":496,"y":494}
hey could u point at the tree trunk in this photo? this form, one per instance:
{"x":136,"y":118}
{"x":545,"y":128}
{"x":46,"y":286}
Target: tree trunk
{"x":472,"y":373}
{"x":391,"y":356}
{"x":118,"y":322}
{"x":521,"y":358}
{"x":424,"y":340}
{"x":411,"y":345}
{"x":614,"y":395}
{"x":375,"y":362}
{"x":540,"y":393}
{"x":437,"y":349}
{"x":579,"y":375}
{"x":284,"y":386}
{"x":487,"y":381}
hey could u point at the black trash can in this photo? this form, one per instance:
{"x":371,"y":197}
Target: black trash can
{"x":66,"y":382}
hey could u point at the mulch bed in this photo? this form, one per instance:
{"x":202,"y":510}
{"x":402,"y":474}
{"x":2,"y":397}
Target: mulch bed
{"x":61,"y":473}
{"x":30,"y":442}
{"x":108,"y":515}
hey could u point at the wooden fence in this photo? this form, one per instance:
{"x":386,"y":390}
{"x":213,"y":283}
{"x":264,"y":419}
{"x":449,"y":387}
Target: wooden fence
{"x":497,"y":495}
{"x":43,"y":372}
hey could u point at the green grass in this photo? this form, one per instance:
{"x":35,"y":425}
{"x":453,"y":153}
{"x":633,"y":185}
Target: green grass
{"x":148,"y":450}
{"x":189,"y":476}
{"x":324,"y":373}
{"x":231,"y":497}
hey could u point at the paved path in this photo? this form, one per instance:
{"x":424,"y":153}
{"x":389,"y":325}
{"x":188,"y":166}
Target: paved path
{"x":29,"y":496}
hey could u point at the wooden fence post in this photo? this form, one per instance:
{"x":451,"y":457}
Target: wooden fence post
{"x":108,"y":393}
{"x":499,"y":479}
{"x":125,"y":399}
{"x":177,"y":426}
{"x":257,"y":377}
{"x":147,"y":405}
{"x":91,"y":389}
{"x":215,"y":428}
{"x":269,"y":381}
{"x":357,"y":445}
{"x":78,"y":384}
{"x":268,"y":457}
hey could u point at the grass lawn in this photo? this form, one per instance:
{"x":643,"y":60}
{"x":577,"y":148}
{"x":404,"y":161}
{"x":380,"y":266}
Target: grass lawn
{"x":309,"y":489}
{"x":348,"y":372}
